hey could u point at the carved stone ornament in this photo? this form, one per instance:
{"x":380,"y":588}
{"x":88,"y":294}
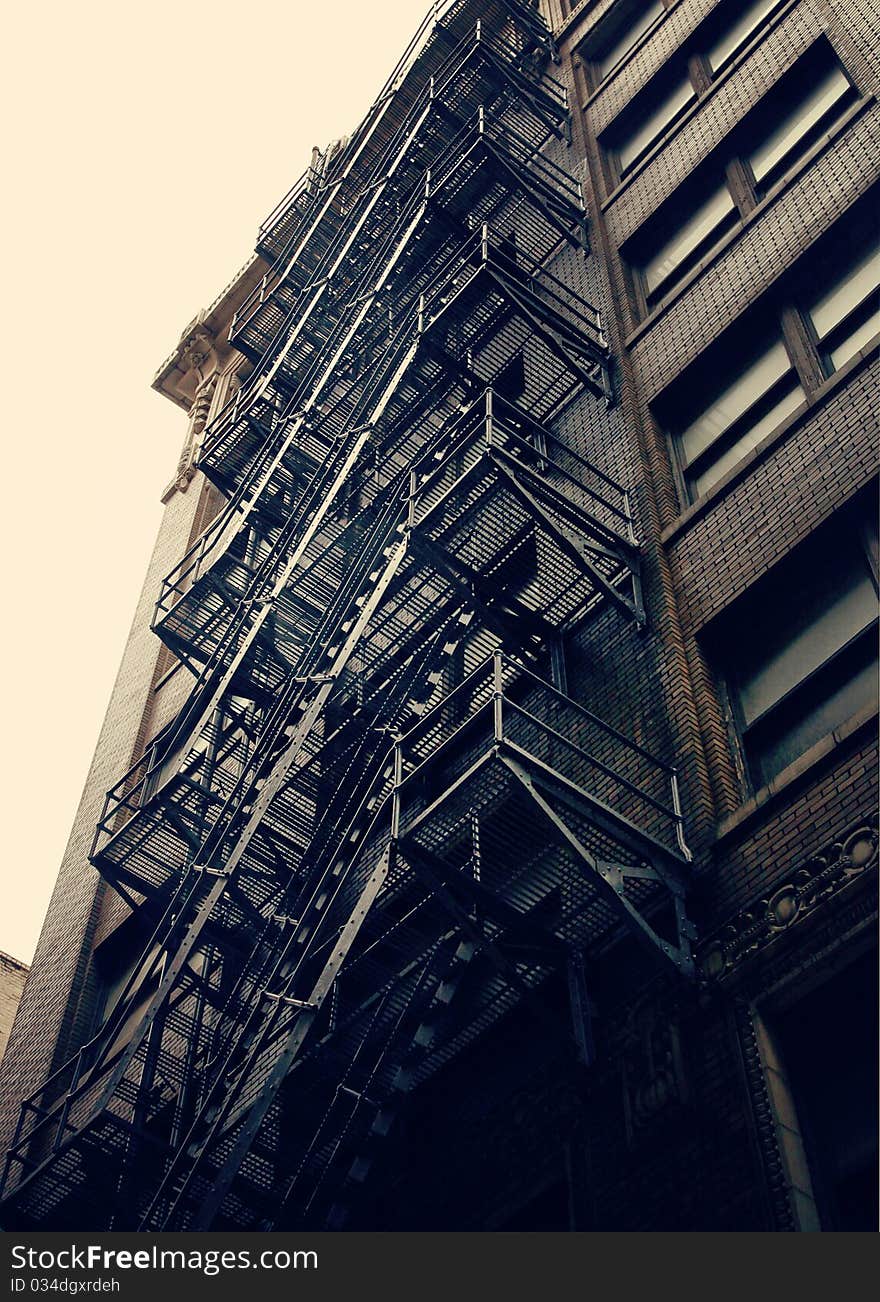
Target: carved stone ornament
{"x":794,"y":899}
{"x":198,"y":417}
{"x":654,"y":1083}
{"x":197,"y":353}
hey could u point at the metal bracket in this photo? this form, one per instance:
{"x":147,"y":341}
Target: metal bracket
{"x":289,"y":999}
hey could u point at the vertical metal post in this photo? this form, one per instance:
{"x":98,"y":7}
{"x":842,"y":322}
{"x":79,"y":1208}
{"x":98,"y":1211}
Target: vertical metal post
{"x":490,"y":414}
{"x":16,"y":1140}
{"x":627,"y":509}
{"x":679,"y":820}
{"x":411,"y":502}
{"x":65,"y":1109}
{"x":685,"y":932}
{"x":497,"y":697}
{"x":583,"y":228}
{"x":395,"y":793}
{"x":558,"y":676}
{"x":581,"y":1017}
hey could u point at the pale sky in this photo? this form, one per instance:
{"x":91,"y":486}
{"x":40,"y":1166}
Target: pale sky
{"x":144,"y":144}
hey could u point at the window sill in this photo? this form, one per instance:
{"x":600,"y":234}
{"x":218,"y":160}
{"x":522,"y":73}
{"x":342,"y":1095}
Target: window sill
{"x":726,"y":71}
{"x":758,"y":454}
{"x":777,"y":191}
{"x":785,"y":783}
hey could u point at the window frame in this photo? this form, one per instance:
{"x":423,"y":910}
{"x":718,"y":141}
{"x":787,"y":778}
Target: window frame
{"x":676,"y":72}
{"x":691,"y":60}
{"x":594,"y":76}
{"x":854,"y":525}
{"x":826,"y":344}
{"x":728,"y":167}
{"x":784,"y":317}
{"x":695,"y":467}
{"x":708,"y":32}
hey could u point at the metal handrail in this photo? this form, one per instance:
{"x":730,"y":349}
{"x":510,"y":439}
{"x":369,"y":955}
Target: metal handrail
{"x":490,"y":413}
{"x":494,"y":666}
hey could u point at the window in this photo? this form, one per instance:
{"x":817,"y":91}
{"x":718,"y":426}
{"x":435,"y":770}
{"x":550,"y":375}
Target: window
{"x":845,"y":314}
{"x":799,"y":650}
{"x":729,"y":184}
{"x":647,"y":118}
{"x":797,"y":126}
{"x":617,"y":35}
{"x":826,"y":1043}
{"x":737,"y":24}
{"x":711,"y":216}
{"x":819,"y":316}
{"x":677,"y":85}
{"x":746,"y":402}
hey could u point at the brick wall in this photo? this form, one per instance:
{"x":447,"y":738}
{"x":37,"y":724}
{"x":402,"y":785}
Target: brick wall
{"x":12,"y":978}
{"x":56,"y":1009}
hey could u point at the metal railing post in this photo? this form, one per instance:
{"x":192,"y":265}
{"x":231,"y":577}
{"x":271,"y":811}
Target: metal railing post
{"x":411,"y":501}
{"x":395,"y":791}
{"x":16,"y":1140}
{"x":497,"y":698}
{"x":679,"y":818}
{"x":65,"y":1108}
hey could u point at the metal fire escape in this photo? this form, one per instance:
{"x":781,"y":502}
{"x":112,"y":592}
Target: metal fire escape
{"x":379,"y":824}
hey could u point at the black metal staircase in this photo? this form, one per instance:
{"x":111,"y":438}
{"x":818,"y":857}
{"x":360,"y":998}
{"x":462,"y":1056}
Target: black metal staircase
{"x":379,"y":823}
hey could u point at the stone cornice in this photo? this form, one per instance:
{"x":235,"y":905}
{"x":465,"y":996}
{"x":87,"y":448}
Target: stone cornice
{"x":203,"y":347}
{"x":189,"y":377}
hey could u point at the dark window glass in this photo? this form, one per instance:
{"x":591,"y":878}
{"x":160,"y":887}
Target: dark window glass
{"x":829,"y":1047}
{"x":727,"y":403}
{"x":844,"y":310}
{"x":648,"y":117}
{"x":761,"y":150}
{"x":736,"y":24}
{"x":614,"y":39}
{"x":800,"y":109}
{"x":800,"y":650}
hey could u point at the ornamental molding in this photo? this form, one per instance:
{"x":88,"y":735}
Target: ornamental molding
{"x":198,"y":419}
{"x":653,"y":1076}
{"x":777,"y":1199}
{"x":197,"y":353}
{"x":794,"y":899}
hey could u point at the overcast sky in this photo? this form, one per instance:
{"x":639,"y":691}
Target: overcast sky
{"x":144,"y":144}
